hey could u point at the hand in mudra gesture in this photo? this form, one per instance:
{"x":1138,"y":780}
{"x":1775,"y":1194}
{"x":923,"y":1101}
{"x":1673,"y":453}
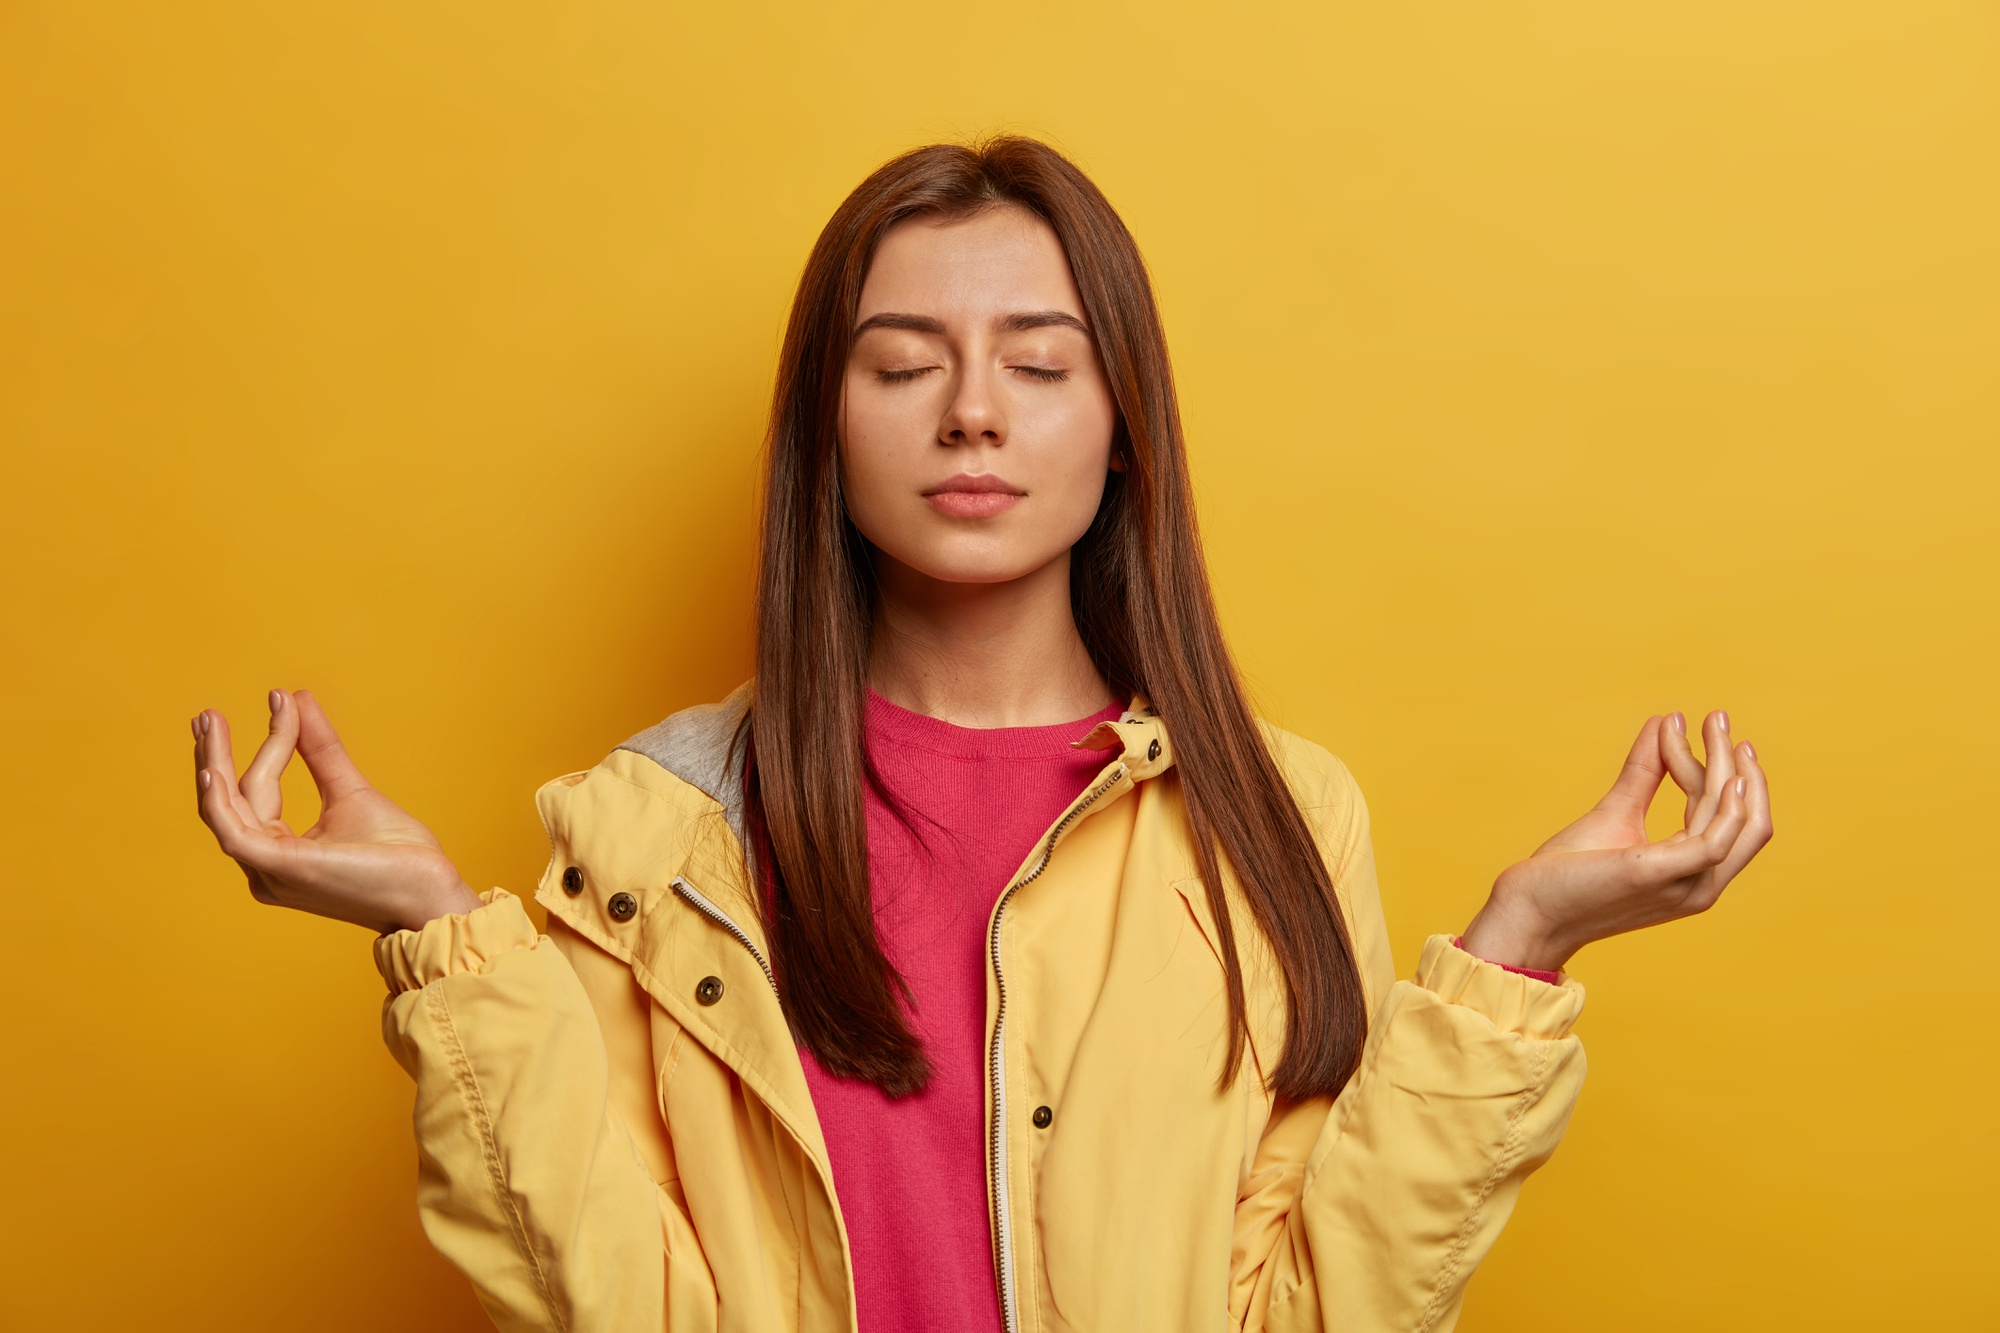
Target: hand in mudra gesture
{"x":366,"y":860}
{"x":1601,"y":876}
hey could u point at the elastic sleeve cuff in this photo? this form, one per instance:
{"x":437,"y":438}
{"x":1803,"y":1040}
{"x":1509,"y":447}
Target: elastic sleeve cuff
{"x":1515,"y":1003}
{"x":412,"y":959}
{"x":1553,"y":978}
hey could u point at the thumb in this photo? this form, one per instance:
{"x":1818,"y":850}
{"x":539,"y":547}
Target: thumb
{"x":327,"y":759}
{"x":1642,"y":774}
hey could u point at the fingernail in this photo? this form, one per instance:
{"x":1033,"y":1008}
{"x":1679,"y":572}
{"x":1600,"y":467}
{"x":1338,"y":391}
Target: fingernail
{"x":1739,"y":789}
{"x":204,"y":724}
{"x":201,"y":779}
{"x":1722,"y":719}
{"x":1678,"y":723}
{"x":277,"y":700}
{"x":1750,"y":749}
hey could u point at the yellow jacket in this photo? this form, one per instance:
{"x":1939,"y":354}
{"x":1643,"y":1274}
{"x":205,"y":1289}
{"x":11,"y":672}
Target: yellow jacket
{"x":615,"y":1133}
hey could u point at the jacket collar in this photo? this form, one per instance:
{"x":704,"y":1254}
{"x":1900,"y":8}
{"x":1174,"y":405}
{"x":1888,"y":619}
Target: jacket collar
{"x":703,"y":747}
{"x":1140,"y":737}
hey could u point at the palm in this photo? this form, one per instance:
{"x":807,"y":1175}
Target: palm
{"x":367,"y":817}
{"x":1601,"y":876}
{"x":1601,"y":830}
{"x":366,"y":859}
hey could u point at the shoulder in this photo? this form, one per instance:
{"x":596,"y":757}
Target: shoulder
{"x":651,"y":810}
{"x":703,"y":746}
{"x":691,"y":762}
{"x":1331,"y":801}
{"x":1319,"y":781}
{"x":1325,"y":789}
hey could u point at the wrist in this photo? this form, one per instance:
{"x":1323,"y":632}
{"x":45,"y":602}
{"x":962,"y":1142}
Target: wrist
{"x":1511,"y":933}
{"x":453,"y":899}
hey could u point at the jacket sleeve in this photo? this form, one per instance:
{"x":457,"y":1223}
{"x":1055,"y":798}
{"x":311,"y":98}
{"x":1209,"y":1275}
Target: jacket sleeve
{"x":1397,"y":1191}
{"x":528,"y":1180}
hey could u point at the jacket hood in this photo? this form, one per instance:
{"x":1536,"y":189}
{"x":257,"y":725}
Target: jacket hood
{"x":703,"y":746}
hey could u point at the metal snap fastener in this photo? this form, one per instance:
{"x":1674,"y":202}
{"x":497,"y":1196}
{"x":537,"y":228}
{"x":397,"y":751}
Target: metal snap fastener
{"x":573,"y":881}
{"x":708,"y":990}
{"x":623,"y":907}
{"x":1153,"y":751}
{"x":1042,"y":1117}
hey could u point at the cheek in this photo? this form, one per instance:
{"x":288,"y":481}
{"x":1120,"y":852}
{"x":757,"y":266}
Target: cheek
{"x":1080,"y":448}
{"x":871,"y":457}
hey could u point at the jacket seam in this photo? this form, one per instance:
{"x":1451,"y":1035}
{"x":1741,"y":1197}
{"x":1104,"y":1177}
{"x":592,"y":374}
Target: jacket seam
{"x":673,"y":1060}
{"x":468,"y":1089}
{"x":1503,"y":1164}
{"x":667,"y":1068}
{"x":1038,"y":1265}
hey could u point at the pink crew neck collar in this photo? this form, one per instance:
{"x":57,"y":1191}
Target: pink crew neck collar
{"x":897,"y":725}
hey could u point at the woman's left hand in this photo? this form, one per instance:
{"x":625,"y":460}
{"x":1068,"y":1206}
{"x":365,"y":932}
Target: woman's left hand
{"x":1601,"y":877}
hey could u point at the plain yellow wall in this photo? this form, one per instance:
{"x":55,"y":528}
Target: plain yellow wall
{"x":1546,"y":364}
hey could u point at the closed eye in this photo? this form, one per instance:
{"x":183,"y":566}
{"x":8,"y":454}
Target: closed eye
{"x":1043,"y":373}
{"x":903,"y":376}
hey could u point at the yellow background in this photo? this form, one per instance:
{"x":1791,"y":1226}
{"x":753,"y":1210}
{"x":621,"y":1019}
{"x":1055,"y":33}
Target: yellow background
{"x":1546,"y":365}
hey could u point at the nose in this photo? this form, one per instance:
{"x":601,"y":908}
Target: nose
{"x":975,"y":415}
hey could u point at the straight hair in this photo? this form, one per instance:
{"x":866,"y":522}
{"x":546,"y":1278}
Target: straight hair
{"x":1140,"y":594}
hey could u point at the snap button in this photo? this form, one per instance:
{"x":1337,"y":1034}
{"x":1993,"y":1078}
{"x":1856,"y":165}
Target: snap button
{"x":1153,"y":751}
{"x":572,"y":881}
{"x":708,"y":990}
{"x":623,"y":907}
{"x":1042,"y":1117}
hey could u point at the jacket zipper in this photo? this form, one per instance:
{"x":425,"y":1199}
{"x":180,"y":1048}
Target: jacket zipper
{"x":996,"y":1072}
{"x":996,"y":1075}
{"x":694,"y":899}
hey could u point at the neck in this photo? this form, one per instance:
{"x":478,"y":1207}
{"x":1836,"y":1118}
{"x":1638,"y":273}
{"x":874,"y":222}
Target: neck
{"x":983,"y":654}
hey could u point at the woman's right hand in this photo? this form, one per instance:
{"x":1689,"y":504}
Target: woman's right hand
{"x":366,"y":860}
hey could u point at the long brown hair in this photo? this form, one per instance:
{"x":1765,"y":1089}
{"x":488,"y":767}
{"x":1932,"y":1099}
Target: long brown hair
{"x":1141,"y":598}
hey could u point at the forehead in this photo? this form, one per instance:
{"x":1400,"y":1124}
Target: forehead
{"x":996,"y":262}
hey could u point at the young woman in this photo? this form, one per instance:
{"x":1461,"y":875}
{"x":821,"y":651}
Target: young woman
{"x":983,"y":964}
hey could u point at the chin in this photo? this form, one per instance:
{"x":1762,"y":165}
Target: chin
{"x":981,"y":565}
{"x":974,"y":572}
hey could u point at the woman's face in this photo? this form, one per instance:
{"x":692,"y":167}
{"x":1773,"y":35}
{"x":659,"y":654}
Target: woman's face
{"x":975,"y":422}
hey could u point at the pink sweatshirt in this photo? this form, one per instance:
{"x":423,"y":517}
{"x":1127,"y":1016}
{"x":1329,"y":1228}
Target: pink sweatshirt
{"x":911,"y":1174}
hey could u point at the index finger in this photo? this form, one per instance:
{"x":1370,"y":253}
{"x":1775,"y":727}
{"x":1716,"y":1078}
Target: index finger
{"x":259,"y":784}
{"x":1688,"y":773}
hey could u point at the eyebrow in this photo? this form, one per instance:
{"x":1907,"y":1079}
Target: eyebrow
{"x":892,"y":320}
{"x":1042,"y":319}
{"x":1020,"y":322}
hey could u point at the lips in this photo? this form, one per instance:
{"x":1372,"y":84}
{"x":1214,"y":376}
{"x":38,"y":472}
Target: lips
{"x":974,"y":496}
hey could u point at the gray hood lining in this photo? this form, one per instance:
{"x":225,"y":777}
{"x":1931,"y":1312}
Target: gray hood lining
{"x":705,"y":747}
